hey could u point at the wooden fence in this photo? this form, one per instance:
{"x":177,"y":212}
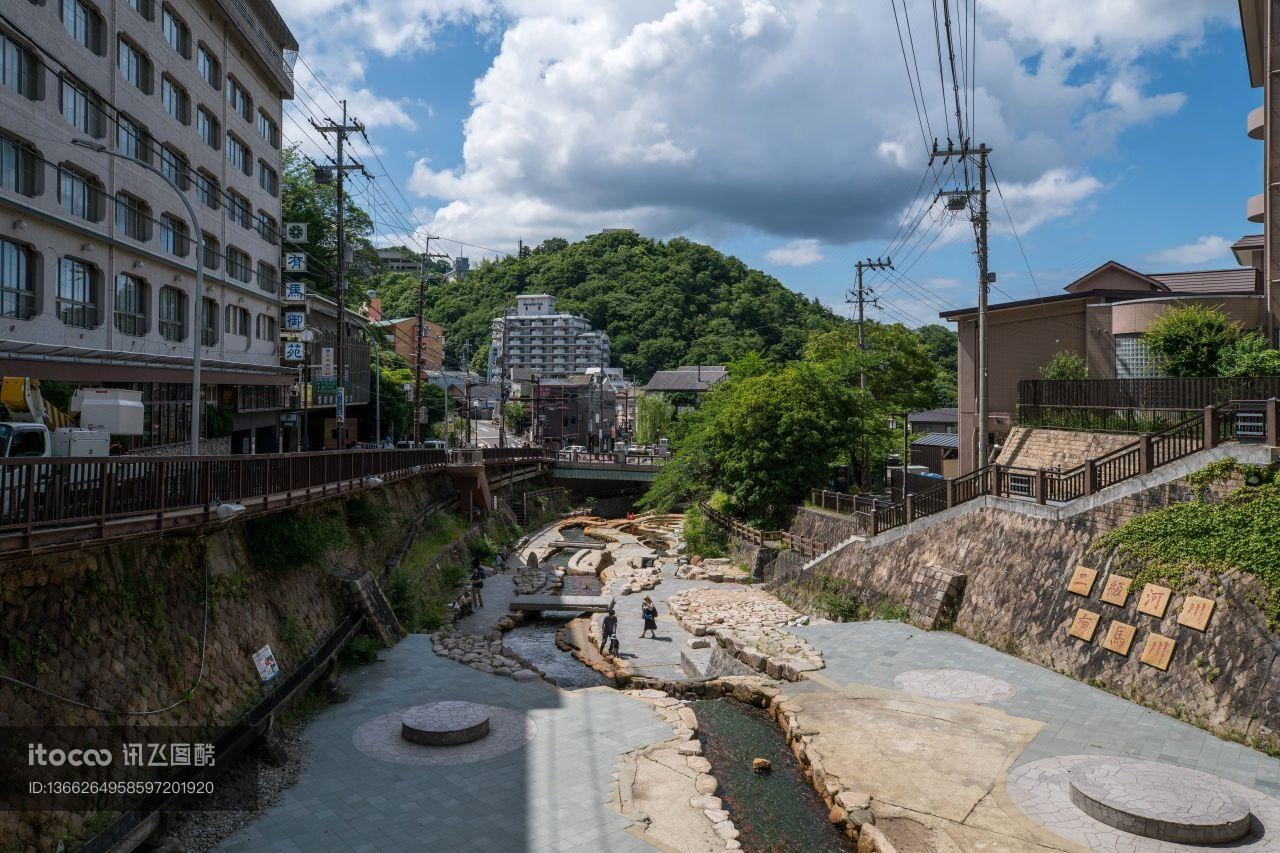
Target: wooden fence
{"x":1243,"y":421}
{"x":808,"y":548}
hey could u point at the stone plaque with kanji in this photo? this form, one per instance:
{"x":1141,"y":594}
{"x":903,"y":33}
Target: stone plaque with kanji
{"x":1082,"y":580}
{"x":1157,"y":651}
{"x":1116,"y":590}
{"x":1154,"y":600}
{"x":1195,"y":612}
{"x":1084,"y":625}
{"x":1119,"y":638}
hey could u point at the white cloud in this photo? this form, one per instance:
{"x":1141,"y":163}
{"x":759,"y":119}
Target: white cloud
{"x":797,"y":253}
{"x":1202,"y":251}
{"x":1056,"y":193}
{"x":711,"y":117}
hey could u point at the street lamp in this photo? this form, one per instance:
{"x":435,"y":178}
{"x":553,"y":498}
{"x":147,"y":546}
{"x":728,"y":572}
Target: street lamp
{"x":196,"y":303}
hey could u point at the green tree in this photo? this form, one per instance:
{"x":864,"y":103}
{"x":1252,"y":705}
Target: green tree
{"x":1187,"y":340}
{"x":515,"y":417}
{"x":1249,"y":356}
{"x":654,"y":414}
{"x":1065,"y":365}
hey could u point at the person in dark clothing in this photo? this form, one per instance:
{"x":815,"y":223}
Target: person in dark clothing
{"x":477,"y":581}
{"x":650,"y":614}
{"x":609,"y":634}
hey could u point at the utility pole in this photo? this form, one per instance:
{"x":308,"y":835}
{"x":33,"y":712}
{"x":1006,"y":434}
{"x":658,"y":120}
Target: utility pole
{"x":341,"y":166}
{"x":959,"y":200}
{"x":860,"y":297}
{"x":534,"y":432}
{"x":466,"y":372}
{"x":417,"y":359}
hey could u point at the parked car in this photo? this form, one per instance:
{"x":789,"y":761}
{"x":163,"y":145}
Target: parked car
{"x":575,"y":448}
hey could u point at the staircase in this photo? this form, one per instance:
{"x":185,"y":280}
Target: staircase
{"x":367,"y":597}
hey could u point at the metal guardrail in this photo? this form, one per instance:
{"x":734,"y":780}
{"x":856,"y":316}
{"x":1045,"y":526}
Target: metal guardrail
{"x":1243,"y":420}
{"x":625,"y":460}
{"x":41,"y":494}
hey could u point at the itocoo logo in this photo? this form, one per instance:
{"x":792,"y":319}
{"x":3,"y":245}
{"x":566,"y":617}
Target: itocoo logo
{"x":37,"y":755}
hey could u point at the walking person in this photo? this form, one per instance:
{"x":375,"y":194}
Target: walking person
{"x":650,"y":613}
{"x":609,"y":634}
{"x":477,"y":581}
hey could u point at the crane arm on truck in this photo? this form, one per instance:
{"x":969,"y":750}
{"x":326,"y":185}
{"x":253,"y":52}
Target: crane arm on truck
{"x":21,"y":398}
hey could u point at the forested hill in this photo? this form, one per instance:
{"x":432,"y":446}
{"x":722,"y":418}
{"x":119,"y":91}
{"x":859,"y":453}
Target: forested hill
{"x":663,"y":304}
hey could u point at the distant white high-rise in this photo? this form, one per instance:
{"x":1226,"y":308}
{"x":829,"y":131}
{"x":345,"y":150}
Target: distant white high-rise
{"x":544,"y":342}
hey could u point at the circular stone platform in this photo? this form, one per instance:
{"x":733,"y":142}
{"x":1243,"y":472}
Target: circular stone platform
{"x":383,"y":738}
{"x":445,"y":723}
{"x":1160,"y":801}
{"x":954,"y":685}
{"x":1042,"y":791}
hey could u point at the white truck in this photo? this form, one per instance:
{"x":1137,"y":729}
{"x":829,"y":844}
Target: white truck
{"x":36,"y":429}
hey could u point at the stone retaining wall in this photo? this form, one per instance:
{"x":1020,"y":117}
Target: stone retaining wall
{"x":1017,"y":565}
{"x":1057,"y":448}
{"x":829,"y":528}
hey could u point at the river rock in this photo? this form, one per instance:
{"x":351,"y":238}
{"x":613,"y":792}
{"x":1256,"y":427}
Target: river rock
{"x":525,"y":675}
{"x":705,"y":783}
{"x":706,"y":801}
{"x":716,"y":815}
{"x":851,"y":800}
{"x":761,"y":765}
{"x":689,"y":747}
{"x":699,"y":764}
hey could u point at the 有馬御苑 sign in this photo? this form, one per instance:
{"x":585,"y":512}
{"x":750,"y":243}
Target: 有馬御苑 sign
{"x":295,"y":351}
{"x":295,"y":261}
{"x":295,"y":291}
{"x":295,"y":321}
{"x":1084,"y":625}
{"x":295,"y":232}
{"x":1082,"y":580}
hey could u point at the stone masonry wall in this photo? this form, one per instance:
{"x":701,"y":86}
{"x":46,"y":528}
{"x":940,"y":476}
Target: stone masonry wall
{"x":828,"y":528}
{"x":1018,"y":565}
{"x":1057,"y":448}
{"x":120,"y":626}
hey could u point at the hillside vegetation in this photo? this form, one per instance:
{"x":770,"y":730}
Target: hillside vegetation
{"x":662,"y":303}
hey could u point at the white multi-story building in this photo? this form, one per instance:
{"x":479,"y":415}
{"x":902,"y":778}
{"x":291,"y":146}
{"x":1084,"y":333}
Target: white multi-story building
{"x":544,"y":342}
{"x":97,"y":257}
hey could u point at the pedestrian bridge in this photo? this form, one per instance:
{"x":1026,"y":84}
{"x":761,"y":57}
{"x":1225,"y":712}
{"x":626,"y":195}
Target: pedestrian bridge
{"x":575,"y":603}
{"x":616,"y":467}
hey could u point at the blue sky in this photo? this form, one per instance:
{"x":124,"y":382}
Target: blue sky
{"x":783,"y":133}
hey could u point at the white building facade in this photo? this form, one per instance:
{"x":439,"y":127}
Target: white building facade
{"x":545,"y":343}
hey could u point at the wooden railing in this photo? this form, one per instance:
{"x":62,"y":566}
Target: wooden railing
{"x":808,"y":548}
{"x":1206,"y":429}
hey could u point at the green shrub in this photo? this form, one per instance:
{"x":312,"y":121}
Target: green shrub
{"x":364,"y":515}
{"x":702,"y":536}
{"x":361,"y":650}
{"x":291,"y":540}
{"x":837,"y":603}
{"x":220,"y":421}
{"x":1065,"y":365}
{"x":294,"y":634}
{"x":1188,"y":340}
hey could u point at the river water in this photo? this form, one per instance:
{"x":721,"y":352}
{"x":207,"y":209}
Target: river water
{"x":536,"y":641}
{"x":777,"y":811}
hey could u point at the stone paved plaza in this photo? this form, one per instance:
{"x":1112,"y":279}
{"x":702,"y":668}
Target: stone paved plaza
{"x":548,"y":795}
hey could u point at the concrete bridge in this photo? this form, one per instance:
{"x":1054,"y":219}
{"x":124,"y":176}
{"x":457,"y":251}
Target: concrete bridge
{"x":606,"y":467}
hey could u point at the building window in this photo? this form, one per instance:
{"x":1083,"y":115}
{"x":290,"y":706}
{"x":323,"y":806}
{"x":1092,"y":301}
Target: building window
{"x":238,"y":265}
{"x":133,"y":217}
{"x":79,"y":108}
{"x":175,"y":99}
{"x":238,"y":209}
{"x":131,"y":305}
{"x":131,"y":139}
{"x":268,"y":130}
{"x":212,"y":256}
{"x":176,"y":33}
{"x":134,"y":65}
{"x":208,"y":128}
{"x":174,"y":167}
{"x":19,"y":69}
{"x":208,"y":322}
{"x":207,"y":189}
{"x":143,"y":8}
{"x":266,"y":327}
{"x":238,"y":154}
{"x":267,"y":227}
{"x":268,"y":179}
{"x":175,"y":237}
{"x":1134,"y":359}
{"x":18,"y":167}
{"x":17,"y":281}
{"x":77,"y":293}
{"x":83,"y":23}
{"x":236,"y":321}
{"x":210,"y":68}
{"x":238,"y":99}
{"x":266,"y":277}
{"x":79,"y":194}
{"x":173,"y":314}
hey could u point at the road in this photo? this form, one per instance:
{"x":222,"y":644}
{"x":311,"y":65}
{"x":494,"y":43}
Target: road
{"x":487,"y":435}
